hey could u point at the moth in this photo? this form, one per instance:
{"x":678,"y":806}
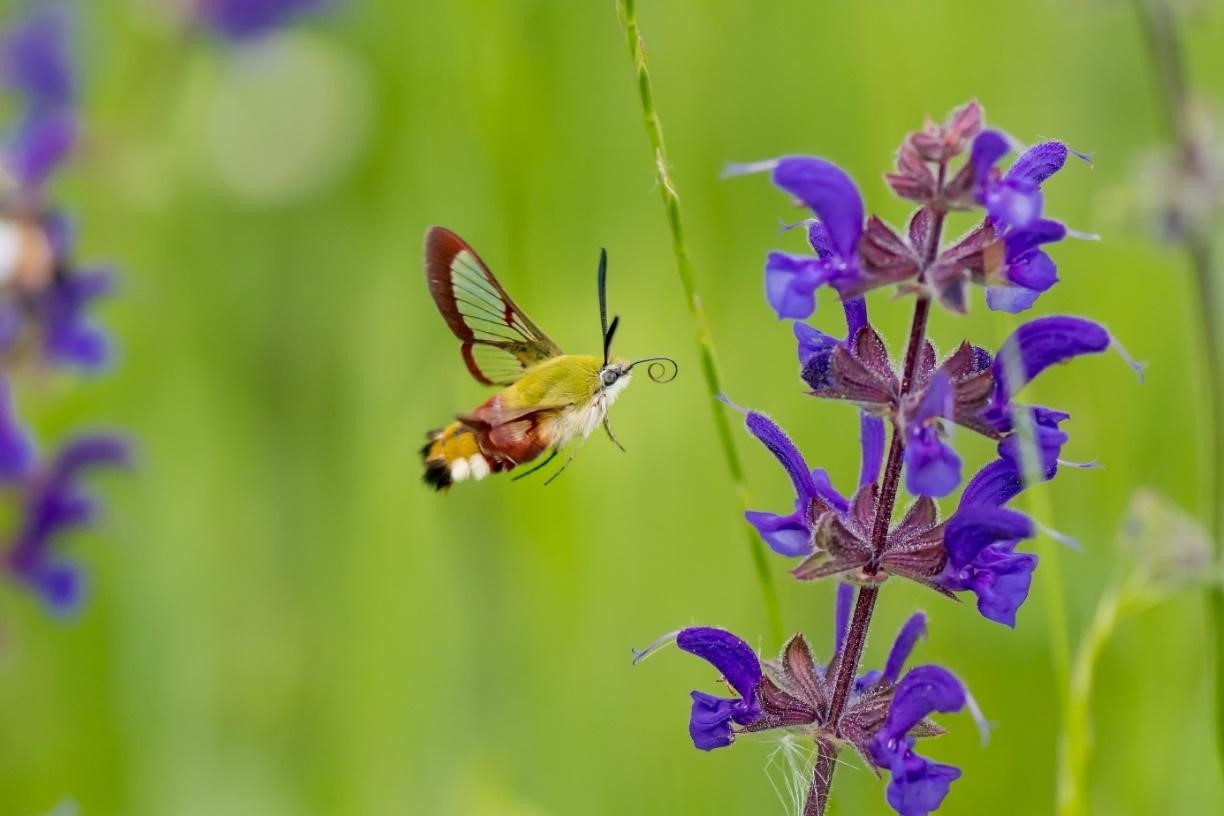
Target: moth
{"x":547,"y":399}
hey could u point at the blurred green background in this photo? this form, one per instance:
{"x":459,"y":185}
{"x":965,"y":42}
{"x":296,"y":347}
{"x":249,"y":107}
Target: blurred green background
{"x":283,"y":620}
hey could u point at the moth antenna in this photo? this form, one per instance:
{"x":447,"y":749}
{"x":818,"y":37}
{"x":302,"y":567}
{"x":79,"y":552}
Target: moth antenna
{"x":659,"y":368}
{"x":601,"y":278}
{"x":608,"y":335}
{"x":527,"y":473}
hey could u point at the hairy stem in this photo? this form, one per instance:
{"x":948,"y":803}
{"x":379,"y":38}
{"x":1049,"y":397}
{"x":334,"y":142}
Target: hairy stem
{"x":847,"y":662}
{"x":822,"y":776}
{"x":864,"y":605}
{"x":705,"y":339}
{"x":1160,"y":28}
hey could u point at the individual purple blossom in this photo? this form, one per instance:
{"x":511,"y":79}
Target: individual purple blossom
{"x":886,"y":713}
{"x":932,"y":468}
{"x":791,"y":534}
{"x":1013,"y":199}
{"x":242,"y":20}
{"x":54,"y":503}
{"x":792,"y":280}
{"x":711,"y":718}
{"x":1008,"y":261}
{"x":1031,"y":349}
{"x":71,"y":337}
{"x":917,"y":785}
{"x":980,"y":542}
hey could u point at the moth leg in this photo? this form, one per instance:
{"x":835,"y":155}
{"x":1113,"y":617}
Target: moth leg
{"x":567,"y":462}
{"x":524,"y":474}
{"x":608,"y":427}
{"x":561,"y":469}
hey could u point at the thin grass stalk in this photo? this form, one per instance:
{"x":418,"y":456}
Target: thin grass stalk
{"x":627,"y":10}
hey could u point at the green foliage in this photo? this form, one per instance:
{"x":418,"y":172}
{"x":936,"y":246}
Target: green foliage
{"x":284,"y":621}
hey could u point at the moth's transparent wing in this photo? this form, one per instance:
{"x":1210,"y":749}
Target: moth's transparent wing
{"x":499,"y":341}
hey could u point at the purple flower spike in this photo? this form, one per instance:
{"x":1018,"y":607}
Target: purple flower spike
{"x":16,"y":447}
{"x":932,"y":467}
{"x":980,"y":541}
{"x":241,"y":20}
{"x":55,"y":503}
{"x":710,"y":722}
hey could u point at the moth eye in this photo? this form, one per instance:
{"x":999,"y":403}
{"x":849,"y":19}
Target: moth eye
{"x":608,"y":376}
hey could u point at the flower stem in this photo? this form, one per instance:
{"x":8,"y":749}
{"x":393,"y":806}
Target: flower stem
{"x":822,"y":776}
{"x":1160,"y":28}
{"x":864,"y":605}
{"x":705,"y":340}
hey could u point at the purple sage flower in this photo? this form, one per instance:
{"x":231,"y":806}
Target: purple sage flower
{"x":710,"y":722}
{"x":1013,"y":199}
{"x":887,"y":710}
{"x":932,"y":468}
{"x":856,"y":537}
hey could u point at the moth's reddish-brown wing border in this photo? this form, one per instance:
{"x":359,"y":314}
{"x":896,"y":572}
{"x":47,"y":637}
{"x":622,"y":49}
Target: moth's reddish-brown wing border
{"x":528,"y":345}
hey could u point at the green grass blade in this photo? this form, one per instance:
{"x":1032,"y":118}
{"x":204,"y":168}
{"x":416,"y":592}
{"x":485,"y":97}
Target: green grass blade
{"x":705,"y":340}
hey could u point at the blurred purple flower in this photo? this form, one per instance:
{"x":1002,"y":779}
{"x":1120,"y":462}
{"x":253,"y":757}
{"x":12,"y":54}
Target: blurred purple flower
{"x":16,"y":447}
{"x":242,"y":20}
{"x":53,"y":504}
{"x":36,"y":64}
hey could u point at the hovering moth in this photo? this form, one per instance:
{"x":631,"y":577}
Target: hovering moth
{"x":547,"y":399}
